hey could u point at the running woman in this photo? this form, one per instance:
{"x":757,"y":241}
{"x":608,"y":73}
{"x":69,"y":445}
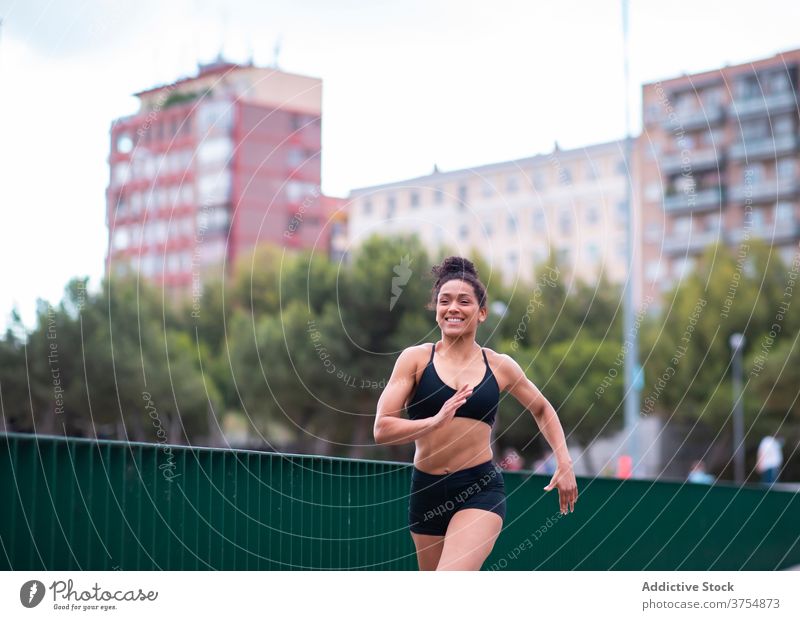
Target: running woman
{"x":451,"y":390}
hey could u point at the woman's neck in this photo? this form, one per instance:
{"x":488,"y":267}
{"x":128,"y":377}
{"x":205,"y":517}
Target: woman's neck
{"x":458,"y":349}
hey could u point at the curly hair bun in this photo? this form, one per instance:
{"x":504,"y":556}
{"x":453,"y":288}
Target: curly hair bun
{"x":455,"y":265}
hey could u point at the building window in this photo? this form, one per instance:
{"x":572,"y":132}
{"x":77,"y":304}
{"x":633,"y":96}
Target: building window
{"x":653,"y":270}
{"x":462,"y":193}
{"x":784,"y":213}
{"x":565,"y":176}
{"x":295,"y":157}
{"x":748,"y":88}
{"x":652,"y":113}
{"x":682,"y":225}
{"x":489,"y":229}
{"x":779,"y":82}
{"x":754,"y":173}
{"x":622,"y":211}
{"x":759,"y":219}
{"x":213,"y":152}
{"x":511,"y":223}
{"x":124,"y":143}
{"x":565,"y":222}
{"x":652,"y":192}
{"x":786,"y":169}
{"x":413,"y":199}
{"x":538,"y":180}
{"x":512,"y":184}
{"x":296,"y":121}
{"x":538,"y":219}
{"x":622,"y":168}
{"x":652,"y":232}
{"x":391,"y":206}
{"x":711,"y":96}
{"x":120,"y":238}
{"x":366,"y":207}
{"x":135,"y":202}
{"x":438,"y":195}
{"x":173,"y":262}
{"x":755,"y":129}
{"x":783,"y":125}
{"x":684,"y":102}
{"x":486,"y":188}
{"x":593,"y":251}
{"x":463,"y":231}
{"x":592,"y":215}
{"x":121,"y":173}
{"x":186,"y":194}
{"x":713,"y":222}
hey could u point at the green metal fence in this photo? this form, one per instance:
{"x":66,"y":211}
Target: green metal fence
{"x":102,"y":505}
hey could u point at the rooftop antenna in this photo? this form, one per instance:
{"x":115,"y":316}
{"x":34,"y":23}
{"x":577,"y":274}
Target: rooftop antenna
{"x":225,"y":19}
{"x":276,"y":52}
{"x":250,"y":60}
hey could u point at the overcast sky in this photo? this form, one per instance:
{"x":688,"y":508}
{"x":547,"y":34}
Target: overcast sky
{"x":406,"y":84}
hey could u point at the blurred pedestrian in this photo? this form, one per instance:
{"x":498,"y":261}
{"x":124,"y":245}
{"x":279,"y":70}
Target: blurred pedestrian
{"x":545,"y":465}
{"x":699,"y":474}
{"x":512,"y":461}
{"x":770,"y":459}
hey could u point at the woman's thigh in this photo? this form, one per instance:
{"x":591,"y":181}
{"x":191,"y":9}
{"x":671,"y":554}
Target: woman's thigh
{"x":429,"y":550}
{"x":470,"y":539}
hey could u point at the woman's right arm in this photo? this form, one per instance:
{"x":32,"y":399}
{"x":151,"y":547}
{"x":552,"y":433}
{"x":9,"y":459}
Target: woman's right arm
{"x":393,"y":429}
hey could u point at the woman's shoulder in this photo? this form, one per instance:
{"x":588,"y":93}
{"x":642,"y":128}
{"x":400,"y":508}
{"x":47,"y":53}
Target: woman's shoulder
{"x":419,"y":353}
{"x":502,"y":365}
{"x":495,"y":358}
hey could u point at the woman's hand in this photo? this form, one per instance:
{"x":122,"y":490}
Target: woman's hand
{"x":564,"y":480}
{"x":450,"y":406}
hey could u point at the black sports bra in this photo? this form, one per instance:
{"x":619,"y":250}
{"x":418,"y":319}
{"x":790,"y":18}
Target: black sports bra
{"x":432,"y":393}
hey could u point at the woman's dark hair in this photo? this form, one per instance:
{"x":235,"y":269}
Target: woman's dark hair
{"x":457,"y":268}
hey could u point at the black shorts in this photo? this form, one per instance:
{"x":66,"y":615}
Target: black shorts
{"x":434,"y":499}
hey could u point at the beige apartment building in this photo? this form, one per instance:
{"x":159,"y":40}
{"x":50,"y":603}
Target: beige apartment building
{"x":718,"y":160}
{"x":511,"y":212}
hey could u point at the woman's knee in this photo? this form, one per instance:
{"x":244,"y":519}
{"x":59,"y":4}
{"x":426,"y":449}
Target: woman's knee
{"x":429,"y":550}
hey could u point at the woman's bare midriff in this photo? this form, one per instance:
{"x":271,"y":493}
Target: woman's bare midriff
{"x":463,"y":443}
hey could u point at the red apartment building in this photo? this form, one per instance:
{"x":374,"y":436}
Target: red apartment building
{"x":718,"y":160}
{"x":209,"y":167}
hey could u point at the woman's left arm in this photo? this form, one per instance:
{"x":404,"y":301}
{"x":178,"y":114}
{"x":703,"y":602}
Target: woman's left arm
{"x":529,"y":396}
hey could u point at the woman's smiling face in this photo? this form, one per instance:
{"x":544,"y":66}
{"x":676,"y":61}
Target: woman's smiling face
{"x":457,"y":302}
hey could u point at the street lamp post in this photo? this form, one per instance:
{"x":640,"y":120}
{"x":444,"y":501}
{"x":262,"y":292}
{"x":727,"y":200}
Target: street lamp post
{"x":737,"y":343}
{"x":632,"y":376}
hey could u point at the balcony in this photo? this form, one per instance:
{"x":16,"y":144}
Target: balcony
{"x":699,"y":159}
{"x":782,"y":233}
{"x":768,"y":104}
{"x":686,"y":202}
{"x":693,"y":243}
{"x":764,"y":148}
{"x":765,"y":191}
{"x":706,"y":116}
